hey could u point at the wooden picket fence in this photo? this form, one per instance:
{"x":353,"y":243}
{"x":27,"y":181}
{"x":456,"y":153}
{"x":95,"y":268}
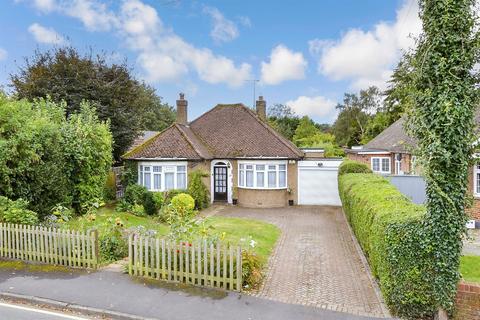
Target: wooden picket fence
{"x":198,"y":263}
{"x":49,"y":245}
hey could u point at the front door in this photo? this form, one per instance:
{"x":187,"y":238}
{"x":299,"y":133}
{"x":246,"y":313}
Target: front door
{"x":220,"y":183}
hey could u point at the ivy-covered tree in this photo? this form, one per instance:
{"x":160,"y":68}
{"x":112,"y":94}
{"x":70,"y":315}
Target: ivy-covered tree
{"x":444,"y":98}
{"x":63,"y":74}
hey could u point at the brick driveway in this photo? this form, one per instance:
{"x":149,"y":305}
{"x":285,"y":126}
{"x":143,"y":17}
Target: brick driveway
{"x":315,"y":262}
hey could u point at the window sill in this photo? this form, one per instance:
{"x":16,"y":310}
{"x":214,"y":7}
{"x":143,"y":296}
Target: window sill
{"x":266,"y":189}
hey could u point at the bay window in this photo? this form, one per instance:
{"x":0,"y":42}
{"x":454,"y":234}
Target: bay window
{"x":476,"y":180}
{"x":262,"y":175}
{"x":162,"y":176}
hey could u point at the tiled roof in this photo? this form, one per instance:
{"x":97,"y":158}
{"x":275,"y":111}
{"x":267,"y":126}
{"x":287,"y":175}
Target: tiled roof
{"x":393,"y":139}
{"x":142,"y":137}
{"x":226,"y":131}
{"x":235,"y":131}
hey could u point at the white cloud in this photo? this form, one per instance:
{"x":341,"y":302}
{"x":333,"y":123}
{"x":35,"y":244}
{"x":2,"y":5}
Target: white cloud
{"x":163,"y":55}
{"x":45,"y":35}
{"x":245,"y":21}
{"x":3,"y":54}
{"x":317,"y":106}
{"x":223,"y":30}
{"x":367,"y":57}
{"x":45,"y":5}
{"x":284,"y":65}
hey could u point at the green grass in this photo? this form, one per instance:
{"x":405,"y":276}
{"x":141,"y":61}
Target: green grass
{"x":264,"y":234}
{"x":470,"y":268}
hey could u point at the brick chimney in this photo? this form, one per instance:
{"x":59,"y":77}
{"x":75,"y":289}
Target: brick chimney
{"x":182,"y":110}
{"x":261,"y":106}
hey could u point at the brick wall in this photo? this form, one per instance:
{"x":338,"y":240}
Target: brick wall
{"x":468,"y":302}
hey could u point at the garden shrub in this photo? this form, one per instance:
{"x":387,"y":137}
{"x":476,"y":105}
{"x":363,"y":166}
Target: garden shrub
{"x":110,"y":189}
{"x":168,"y":195}
{"x":113,"y":241}
{"x":16,"y":212}
{"x":198,"y":190}
{"x":135,"y":194}
{"x":390,"y":230}
{"x":251,"y":270}
{"x":350,"y":166}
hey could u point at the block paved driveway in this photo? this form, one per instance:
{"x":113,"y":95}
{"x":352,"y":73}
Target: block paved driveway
{"x":316,"y":262}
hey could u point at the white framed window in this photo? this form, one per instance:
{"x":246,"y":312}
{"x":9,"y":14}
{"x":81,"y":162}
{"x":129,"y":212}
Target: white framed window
{"x":476,"y":180}
{"x":381,"y":164}
{"x":162,"y":176}
{"x":262,"y":174}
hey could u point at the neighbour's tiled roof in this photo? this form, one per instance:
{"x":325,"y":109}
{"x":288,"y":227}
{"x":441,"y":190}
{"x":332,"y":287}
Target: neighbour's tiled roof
{"x":171,"y":143}
{"x":226,"y":131}
{"x":142,"y":137}
{"x":235,"y":131}
{"x":393,"y":139}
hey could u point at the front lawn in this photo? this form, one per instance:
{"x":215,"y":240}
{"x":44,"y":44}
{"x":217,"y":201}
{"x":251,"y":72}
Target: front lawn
{"x":470,"y":268}
{"x":236,"y":230}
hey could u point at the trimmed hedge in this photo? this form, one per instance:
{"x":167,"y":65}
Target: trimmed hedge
{"x":390,"y":229}
{"x":350,"y":166}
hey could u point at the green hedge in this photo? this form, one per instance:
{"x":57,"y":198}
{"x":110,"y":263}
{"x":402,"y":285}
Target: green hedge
{"x":350,"y":166}
{"x":389,"y":227}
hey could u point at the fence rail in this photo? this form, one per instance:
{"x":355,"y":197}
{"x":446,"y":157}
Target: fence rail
{"x":49,"y":245}
{"x":197,"y":263}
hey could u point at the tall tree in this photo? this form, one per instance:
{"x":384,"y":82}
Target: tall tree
{"x":444,"y":100}
{"x":307,"y":135}
{"x":64,"y":74}
{"x":283,"y":119}
{"x":355,"y":113}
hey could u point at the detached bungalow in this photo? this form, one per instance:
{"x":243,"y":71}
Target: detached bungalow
{"x":392,"y":153}
{"x":248,"y":162}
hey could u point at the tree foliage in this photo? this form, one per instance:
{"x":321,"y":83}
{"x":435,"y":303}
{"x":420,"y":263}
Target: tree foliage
{"x":283,"y":119}
{"x":47,"y":159}
{"x":444,"y":98}
{"x":307,"y":135}
{"x":63,"y":74}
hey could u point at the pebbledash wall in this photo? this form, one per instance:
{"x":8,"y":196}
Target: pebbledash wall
{"x":468,"y":301}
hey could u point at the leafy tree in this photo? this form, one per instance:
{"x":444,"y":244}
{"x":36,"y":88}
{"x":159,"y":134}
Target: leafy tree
{"x":283,"y":119}
{"x":64,"y":74}
{"x":444,"y":98}
{"x":355,"y":114}
{"x":307,"y":135}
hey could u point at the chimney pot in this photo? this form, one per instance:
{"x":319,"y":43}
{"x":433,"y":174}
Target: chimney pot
{"x":261,"y":107}
{"x":182,"y":105}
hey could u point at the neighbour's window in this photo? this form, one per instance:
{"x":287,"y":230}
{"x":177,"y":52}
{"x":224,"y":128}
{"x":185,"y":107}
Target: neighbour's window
{"x":381,"y":164}
{"x":162,"y":177}
{"x":476,"y":180}
{"x":262,"y":176}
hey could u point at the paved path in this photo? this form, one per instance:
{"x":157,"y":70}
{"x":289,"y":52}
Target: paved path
{"x":153,"y":299}
{"x":316,"y":262}
{"x":471,"y":244}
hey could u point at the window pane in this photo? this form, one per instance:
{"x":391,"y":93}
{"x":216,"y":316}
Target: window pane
{"x":385,"y":165}
{"x":260,"y":179}
{"x":157,"y":181}
{"x":272,"y":167}
{"x":157,"y":169}
{"x":242,"y":178}
{"x":260,"y":167}
{"x":376,"y":164}
{"x":249,"y":178}
{"x":141,"y":168}
{"x":147,"y":181}
{"x":147,"y":169}
{"x":249,"y":167}
{"x":181,"y":181}
{"x":169,"y":181}
{"x":282,"y":179}
{"x":181,"y":168}
{"x":272,"y":179}
{"x":282,"y":167}
{"x":478,"y":183}
{"x":242,"y":167}
{"x":141,"y":178}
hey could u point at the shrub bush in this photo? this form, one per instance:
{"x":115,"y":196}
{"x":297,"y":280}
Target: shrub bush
{"x":251,"y":270}
{"x":198,"y":190}
{"x":135,"y":194}
{"x":168,"y":195}
{"x":113,"y":242}
{"x":350,"y":166}
{"x":390,"y":229}
{"x":16,"y":212}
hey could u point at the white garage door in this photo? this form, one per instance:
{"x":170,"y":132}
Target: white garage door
{"x":318,"y":182}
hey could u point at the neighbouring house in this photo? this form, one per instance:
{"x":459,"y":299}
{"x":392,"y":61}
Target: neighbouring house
{"x":247,"y":161}
{"x":392,"y":153}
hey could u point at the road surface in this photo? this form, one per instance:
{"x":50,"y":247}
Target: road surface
{"x":22,"y":312}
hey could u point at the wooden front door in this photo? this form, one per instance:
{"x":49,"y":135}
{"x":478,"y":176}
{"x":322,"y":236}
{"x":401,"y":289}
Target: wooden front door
{"x":220,"y":180}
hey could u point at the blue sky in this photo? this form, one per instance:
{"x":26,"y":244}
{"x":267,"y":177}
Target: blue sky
{"x":305,"y":53}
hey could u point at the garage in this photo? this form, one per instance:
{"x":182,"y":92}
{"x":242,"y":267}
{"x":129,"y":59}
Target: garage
{"x":318,"y":182}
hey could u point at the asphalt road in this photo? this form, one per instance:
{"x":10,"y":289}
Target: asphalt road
{"x":21,"y":312}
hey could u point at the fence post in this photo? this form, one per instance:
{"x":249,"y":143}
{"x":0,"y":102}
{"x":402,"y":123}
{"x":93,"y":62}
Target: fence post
{"x":96,"y":248}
